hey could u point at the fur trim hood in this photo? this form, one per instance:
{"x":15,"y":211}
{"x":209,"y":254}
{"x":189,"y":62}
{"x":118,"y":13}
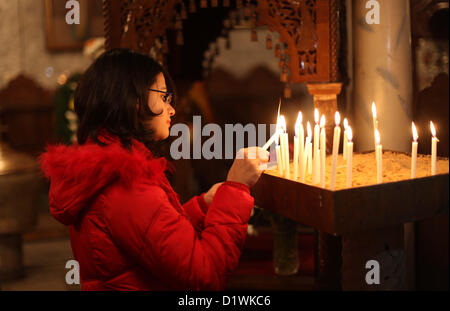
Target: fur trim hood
{"x":78,"y":173}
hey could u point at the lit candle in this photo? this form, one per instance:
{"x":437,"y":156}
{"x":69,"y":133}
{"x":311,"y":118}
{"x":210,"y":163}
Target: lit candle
{"x":434,"y":142}
{"x":279,"y":124}
{"x":379,"y":157}
{"x":279,"y":144}
{"x":414,"y":151}
{"x":301,"y":146}
{"x":374,"y":119}
{"x":316,"y":155}
{"x":336,"y":139}
{"x":307,"y":157}
{"x":374,"y":116}
{"x":298,"y":145}
{"x":279,"y":158}
{"x":323,"y":150}
{"x":344,"y":143}
{"x":285,"y":147}
{"x":295,"y":160}
{"x":349,"y":156}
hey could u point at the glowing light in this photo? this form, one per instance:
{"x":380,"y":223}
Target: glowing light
{"x":377,"y":136}
{"x":337,"y":118}
{"x":414,"y":132}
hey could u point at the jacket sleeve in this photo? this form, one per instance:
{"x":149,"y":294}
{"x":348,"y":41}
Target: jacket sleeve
{"x":167,"y":245}
{"x":196,"y":208}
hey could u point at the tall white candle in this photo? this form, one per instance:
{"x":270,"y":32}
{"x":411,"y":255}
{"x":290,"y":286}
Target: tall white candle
{"x":301,"y":134}
{"x":279,"y":158}
{"x":336,"y":139}
{"x":349,"y":157}
{"x":287,"y":172}
{"x":434,"y":142}
{"x":375,"y":121}
{"x":379,"y":157}
{"x":307,"y":154}
{"x":316,"y":155}
{"x":414,"y":151}
{"x":284,"y":147}
{"x":296,"y":156}
{"x":280,"y":144}
{"x":323,"y":150}
{"x":344,"y":143}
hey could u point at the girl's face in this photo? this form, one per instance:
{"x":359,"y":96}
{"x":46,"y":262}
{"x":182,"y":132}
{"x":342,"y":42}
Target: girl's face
{"x":159,"y":103}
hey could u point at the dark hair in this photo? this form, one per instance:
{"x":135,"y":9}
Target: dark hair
{"x":108,"y":92}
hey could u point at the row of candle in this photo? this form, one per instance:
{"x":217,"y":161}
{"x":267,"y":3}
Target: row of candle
{"x":378,"y":147}
{"x":309,"y":156}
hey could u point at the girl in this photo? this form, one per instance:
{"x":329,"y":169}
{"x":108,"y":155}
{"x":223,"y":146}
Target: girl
{"x":128,"y":230}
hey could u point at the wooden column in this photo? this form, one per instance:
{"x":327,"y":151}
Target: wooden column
{"x":325,"y":99}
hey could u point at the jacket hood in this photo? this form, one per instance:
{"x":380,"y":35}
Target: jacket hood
{"x":77,"y":173}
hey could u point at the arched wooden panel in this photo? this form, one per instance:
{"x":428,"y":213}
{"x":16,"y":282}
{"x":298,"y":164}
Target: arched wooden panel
{"x":309,"y":29}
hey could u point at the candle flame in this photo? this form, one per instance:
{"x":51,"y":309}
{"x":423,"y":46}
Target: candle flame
{"x":345,"y":123}
{"x":298,"y":123}
{"x":322,"y":121}
{"x":374,"y":110}
{"x":337,"y":118}
{"x":433,"y":129}
{"x":316,"y":115}
{"x":349,"y":134}
{"x":279,"y":106}
{"x":377,"y":136}
{"x":283,"y":123}
{"x":414,"y":132}
{"x":308,"y":128}
{"x":278,"y":116}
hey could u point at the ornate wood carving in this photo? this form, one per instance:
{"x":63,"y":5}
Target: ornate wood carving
{"x":304,"y":28}
{"x":308,"y":28}
{"x":135,"y":24}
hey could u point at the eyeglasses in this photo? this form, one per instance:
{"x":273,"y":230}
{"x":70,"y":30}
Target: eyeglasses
{"x":167,"y":97}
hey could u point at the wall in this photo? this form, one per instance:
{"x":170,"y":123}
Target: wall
{"x":23,"y":47}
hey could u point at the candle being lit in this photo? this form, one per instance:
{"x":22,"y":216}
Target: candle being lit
{"x":279,"y":158}
{"x":284,"y":147}
{"x":379,"y":157}
{"x":316,"y":155}
{"x":434,"y":142}
{"x":414,"y":151}
{"x":307,"y":156}
{"x":344,"y":143}
{"x":281,"y":121}
{"x":279,"y":144}
{"x":298,"y":144}
{"x":349,"y":156}
{"x":336,"y":139}
{"x":323,"y":150}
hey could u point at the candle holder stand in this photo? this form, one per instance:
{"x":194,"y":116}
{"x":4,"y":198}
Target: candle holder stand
{"x":358,"y":225}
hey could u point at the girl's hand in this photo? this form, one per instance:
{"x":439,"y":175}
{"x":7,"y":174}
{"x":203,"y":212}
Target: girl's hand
{"x":208,"y":197}
{"x":245,"y":168}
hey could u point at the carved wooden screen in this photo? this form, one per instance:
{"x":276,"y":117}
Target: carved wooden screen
{"x":308,"y":28}
{"x":304,"y":28}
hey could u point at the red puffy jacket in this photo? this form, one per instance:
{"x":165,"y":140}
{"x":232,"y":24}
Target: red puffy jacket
{"x":128,"y":230}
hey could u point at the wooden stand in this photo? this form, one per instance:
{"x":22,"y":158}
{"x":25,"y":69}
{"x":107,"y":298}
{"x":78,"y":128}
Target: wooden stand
{"x":357,"y":225}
